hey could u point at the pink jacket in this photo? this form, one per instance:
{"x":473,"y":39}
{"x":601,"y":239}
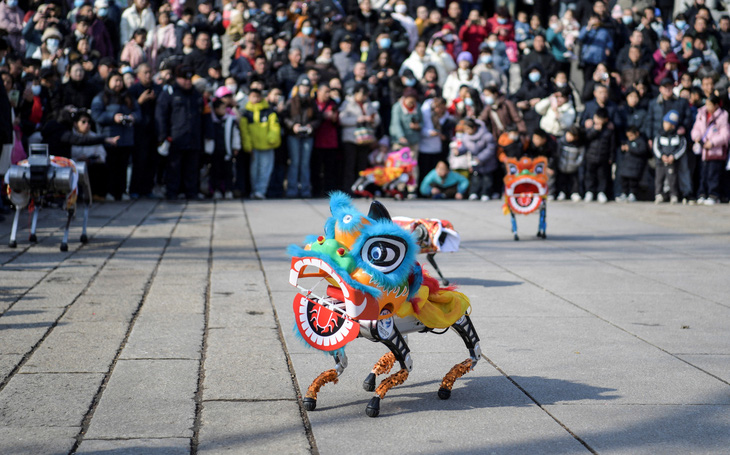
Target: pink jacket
{"x":718,"y":135}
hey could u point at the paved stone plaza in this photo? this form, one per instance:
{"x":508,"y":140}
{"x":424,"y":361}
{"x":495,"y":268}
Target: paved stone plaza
{"x":171,"y":332}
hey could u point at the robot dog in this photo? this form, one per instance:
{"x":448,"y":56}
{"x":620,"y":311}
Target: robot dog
{"x":392,"y":178}
{"x":525,"y":190}
{"x":361,"y":279}
{"x":40,"y":177}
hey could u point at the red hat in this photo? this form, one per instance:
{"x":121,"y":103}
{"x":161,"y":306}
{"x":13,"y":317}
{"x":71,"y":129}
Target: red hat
{"x":249,"y":28}
{"x":672,"y":58}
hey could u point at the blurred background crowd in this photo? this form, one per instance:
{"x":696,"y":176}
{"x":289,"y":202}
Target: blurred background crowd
{"x":196,"y":99}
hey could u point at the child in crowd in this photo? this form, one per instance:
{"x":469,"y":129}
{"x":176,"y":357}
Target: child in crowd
{"x":261,"y":135}
{"x":599,"y":156}
{"x":478,"y":144}
{"x":711,"y":134}
{"x":522,"y":27}
{"x":510,"y":144}
{"x":570,"y":156}
{"x":668,"y":148}
{"x":442,"y":183}
{"x":227,"y":145}
{"x":635,"y":155}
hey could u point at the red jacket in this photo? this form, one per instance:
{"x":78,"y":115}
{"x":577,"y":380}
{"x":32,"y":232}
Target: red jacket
{"x":471,"y":36}
{"x":505,"y":32}
{"x":325,"y":137}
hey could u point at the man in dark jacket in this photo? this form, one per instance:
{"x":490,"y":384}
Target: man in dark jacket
{"x":658,"y":108}
{"x":144,"y":156}
{"x":600,"y":153}
{"x":532,"y":91}
{"x":180,"y":124}
{"x":540,"y":55}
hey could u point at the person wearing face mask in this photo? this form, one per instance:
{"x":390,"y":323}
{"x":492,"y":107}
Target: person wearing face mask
{"x":400,"y":14}
{"x":440,"y":60}
{"x":532,"y":91}
{"x":485,"y":70}
{"x":500,"y":112}
{"x":596,"y":44}
{"x":102,"y":29}
{"x":554,"y":37}
{"x":50,"y":52}
{"x":77,"y":91}
{"x":367,"y":19}
{"x":502,"y":25}
{"x":11,"y":20}
{"x":462,"y":76}
{"x":306,"y":40}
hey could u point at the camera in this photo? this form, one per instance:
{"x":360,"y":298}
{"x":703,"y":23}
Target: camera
{"x":127,"y":120}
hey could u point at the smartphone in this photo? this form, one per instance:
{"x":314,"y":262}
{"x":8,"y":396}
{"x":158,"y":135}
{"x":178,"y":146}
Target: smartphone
{"x":14,"y":97}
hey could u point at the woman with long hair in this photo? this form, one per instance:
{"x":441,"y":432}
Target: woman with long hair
{"x":301,"y":118}
{"x":115,"y":112}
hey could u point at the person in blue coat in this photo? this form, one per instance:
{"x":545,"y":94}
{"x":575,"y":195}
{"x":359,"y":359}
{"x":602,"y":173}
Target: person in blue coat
{"x":596,"y":44}
{"x":443,"y":183}
{"x":116,"y":112}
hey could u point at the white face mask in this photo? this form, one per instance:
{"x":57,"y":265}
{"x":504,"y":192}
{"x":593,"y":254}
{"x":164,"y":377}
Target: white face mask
{"x":401,"y":9}
{"x":52,"y":44}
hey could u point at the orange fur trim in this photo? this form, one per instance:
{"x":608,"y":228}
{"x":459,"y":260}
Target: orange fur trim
{"x":390,"y":382}
{"x":322,"y":379}
{"x":384,"y":365}
{"x":459,"y":370}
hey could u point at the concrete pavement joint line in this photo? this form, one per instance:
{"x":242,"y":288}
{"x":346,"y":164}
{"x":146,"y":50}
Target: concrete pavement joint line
{"x":86,"y":421}
{"x":248,"y":400}
{"x":68,"y":256}
{"x":35,"y":347}
{"x":197,"y":422}
{"x":526,"y":280}
{"x":52,"y":231}
{"x":305,"y":419}
{"x":527,"y":394}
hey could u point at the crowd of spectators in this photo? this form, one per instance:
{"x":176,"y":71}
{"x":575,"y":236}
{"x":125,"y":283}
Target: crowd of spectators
{"x":266,"y":99}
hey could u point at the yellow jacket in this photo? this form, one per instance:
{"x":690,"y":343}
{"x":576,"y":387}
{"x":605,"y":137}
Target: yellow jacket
{"x":260,"y":128}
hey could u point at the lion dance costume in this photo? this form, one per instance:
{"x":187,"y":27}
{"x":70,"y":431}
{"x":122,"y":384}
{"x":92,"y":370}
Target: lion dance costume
{"x":361,"y":280}
{"x":525,"y":190}
{"x":391,"y":179}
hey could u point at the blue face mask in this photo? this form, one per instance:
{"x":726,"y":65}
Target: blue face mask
{"x":680,"y":24}
{"x":78,"y":3}
{"x":469,"y":102}
{"x":485,"y":59}
{"x":335,"y":99}
{"x":384,"y":43}
{"x":410,"y":82}
{"x":102,"y":12}
{"x":534,"y":77}
{"x":307,"y":30}
{"x":489,"y":100}
{"x":36,"y":89}
{"x":52,"y":44}
{"x":501,"y":21}
{"x":281,"y":19}
{"x":252,"y":11}
{"x":492,"y":44}
{"x":627,"y":19}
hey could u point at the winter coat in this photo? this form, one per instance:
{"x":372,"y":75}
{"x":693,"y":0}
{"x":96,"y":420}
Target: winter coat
{"x":659,"y":108}
{"x":633,"y":116}
{"x":400,"y":120}
{"x":634,"y":160}
{"x":350,"y":111}
{"x":669,"y":143}
{"x":507,"y":114}
{"x":260,"y":127}
{"x":179,"y":116}
{"x":454,"y":82}
{"x":552,"y":123}
{"x":103,"y":115}
{"x":718,"y":134}
{"x":226,"y":134}
{"x":570,"y":156}
{"x":326,"y":135}
{"x":528,"y":91}
{"x":451,"y":179}
{"x":600,"y":145}
{"x":482,"y":146}
{"x":594,"y":43}
{"x":302,"y":111}
{"x":11,"y":20}
{"x":132,"y":20}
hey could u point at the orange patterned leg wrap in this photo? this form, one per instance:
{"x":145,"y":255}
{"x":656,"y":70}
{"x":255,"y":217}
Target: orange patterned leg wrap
{"x":384,"y":365}
{"x":459,"y":370}
{"x":390,"y":382}
{"x":322,"y":379}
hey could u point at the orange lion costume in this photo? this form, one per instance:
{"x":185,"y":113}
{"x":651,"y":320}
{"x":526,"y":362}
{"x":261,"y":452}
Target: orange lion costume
{"x":526,"y":189}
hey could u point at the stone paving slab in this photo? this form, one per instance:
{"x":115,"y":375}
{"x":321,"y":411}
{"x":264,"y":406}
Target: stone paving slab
{"x":171,"y":332}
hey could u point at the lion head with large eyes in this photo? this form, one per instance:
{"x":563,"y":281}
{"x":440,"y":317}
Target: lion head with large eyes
{"x":366,"y":263}
{"x":525,"y":184}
